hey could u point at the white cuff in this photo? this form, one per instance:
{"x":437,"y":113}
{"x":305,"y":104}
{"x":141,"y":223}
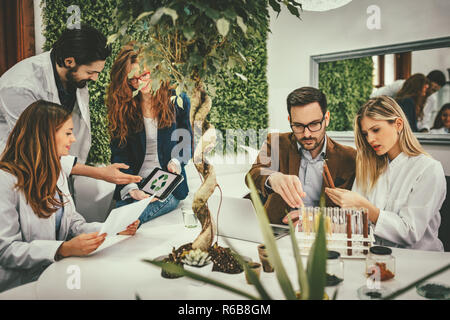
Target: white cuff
{"x":124,"y":193}
{"x":177,"y":163}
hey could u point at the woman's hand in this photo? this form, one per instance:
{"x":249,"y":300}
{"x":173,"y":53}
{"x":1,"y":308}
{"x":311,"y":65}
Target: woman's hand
{"x":137,"y":194}
{"x":294,"y":217}
{"x":172,"y":167}
{"x":81,"y":245}
{"x":350,"y":199}
{"x":345,"y":198}
{"x":131,"y":229}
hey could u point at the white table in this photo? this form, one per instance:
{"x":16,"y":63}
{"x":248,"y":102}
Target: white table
{"x":117,"y":272}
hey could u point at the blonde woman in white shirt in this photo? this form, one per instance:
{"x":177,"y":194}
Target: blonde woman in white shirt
{"x":400,"y":184}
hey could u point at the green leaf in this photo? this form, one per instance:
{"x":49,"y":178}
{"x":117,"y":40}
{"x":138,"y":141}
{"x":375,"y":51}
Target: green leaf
{"x":189,"y":32}
{"x":143,"y":15}
{"x":241,"y":76}
{"x":111,"y":38}
{"x":254,"y":279}
{"x":269,"y":242}
{"x":241,"y":24}
{"x":317,"y":260}
{"x":223,"y":26}
{"x":301,"y":273}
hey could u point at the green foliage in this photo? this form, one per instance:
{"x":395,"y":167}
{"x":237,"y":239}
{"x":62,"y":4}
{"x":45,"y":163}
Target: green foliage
{"x":347,"y":85}
{"x":242,"y":104}
{"x":236,"y":103}
{"x":190,"y":41}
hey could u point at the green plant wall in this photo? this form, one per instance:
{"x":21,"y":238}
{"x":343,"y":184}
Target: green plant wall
{"x":237,"y":104}
{"x":347,"y":85}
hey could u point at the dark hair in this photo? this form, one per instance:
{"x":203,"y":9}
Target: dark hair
{"x":304,"y":96}
{"x":437,"y":76}
{"x":412,"y":88}
{"x":438,"y":120}
{"x":85,"y":45}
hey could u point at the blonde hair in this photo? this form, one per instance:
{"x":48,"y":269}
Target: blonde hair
{"x":369,"y":166}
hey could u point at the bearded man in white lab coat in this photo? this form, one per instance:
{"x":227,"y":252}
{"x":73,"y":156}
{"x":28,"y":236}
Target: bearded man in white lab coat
{"x":61,"y":76}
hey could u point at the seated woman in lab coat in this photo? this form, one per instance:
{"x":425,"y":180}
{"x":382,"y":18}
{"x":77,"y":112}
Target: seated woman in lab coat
{"x":38,"y":220}
{"x":400,"y":184}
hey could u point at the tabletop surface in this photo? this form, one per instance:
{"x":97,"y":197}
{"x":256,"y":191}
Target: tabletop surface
{"x":116,"y":270}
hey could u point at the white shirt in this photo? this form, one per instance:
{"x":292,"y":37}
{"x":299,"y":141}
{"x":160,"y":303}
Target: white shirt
{"x":409,"y":195}
{"x":151,"y":160}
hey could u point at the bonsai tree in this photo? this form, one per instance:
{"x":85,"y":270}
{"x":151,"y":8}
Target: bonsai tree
{"x":188,"y":42}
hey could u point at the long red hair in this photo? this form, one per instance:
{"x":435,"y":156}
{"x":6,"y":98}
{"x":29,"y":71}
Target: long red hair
{"x":31,"y":155}
{"x":124,"y":111}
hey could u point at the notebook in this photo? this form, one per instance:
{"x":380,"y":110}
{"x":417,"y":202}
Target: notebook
{"x":238,"y":220}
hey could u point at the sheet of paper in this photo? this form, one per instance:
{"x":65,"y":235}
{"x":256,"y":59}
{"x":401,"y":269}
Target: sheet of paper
{"x":120,"y":218}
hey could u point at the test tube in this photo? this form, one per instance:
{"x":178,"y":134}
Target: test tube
{"x":349,"y":231}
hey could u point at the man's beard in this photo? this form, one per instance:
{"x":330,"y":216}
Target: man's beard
{"x":316,"y":144}
{"x":71,"y":80}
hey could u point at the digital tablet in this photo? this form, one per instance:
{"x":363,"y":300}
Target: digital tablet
{"x":160,"y":183}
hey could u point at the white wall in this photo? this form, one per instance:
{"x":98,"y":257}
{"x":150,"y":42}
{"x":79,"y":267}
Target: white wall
{"x":293,"y":41}
{"x":424,"y":61}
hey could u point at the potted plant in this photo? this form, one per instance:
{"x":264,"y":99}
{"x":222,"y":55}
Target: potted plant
{"x":188,"y":41}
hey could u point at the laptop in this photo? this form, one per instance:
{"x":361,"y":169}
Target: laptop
{"x":238,"y":220}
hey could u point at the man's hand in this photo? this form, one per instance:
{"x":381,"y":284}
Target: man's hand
{"x":112,"y":174}
{"x":109,"y":173}
{"x":288,"y":187}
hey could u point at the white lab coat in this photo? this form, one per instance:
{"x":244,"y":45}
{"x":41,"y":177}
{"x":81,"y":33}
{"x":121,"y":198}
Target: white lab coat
{"x":32,"y":79}
{"x":409,"y":195}
{"x":28,"y":244}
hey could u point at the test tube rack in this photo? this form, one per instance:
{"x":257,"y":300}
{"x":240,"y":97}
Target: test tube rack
{"x":347,"y":231}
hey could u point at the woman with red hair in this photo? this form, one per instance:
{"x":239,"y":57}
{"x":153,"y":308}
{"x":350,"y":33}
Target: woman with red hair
{"x":148,"y":130}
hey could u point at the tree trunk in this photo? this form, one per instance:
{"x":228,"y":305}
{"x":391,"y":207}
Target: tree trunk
{"x":200,"y":107}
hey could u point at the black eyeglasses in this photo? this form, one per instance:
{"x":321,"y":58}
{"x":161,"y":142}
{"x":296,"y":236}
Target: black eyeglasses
{"x":312,"y":126}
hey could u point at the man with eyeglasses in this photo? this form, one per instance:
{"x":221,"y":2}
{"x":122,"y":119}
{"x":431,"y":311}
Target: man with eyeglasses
{"x":289,"y":167}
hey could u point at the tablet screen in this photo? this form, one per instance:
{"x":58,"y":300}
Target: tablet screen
{"x":159,"y":182}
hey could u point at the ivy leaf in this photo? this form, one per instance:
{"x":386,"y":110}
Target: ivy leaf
{"x":189,"y":32}
{"x":241,"y":24}
{"x":223,"y":26}
{"x":143,"y":15}
{"x":241,"y":76}
{"x":111,"y":38}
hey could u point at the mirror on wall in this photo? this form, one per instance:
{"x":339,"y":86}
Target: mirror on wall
{"x":349,"y":78}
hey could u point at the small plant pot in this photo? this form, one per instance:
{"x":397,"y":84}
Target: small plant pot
{"x":256,"y":268}
{"x":262,"y":249}
{"x":267,"y":266}
{"x":204,"y":271}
